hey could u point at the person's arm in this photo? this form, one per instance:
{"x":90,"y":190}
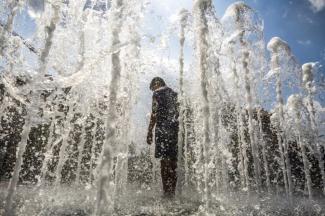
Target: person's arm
{"x":152,"y":122}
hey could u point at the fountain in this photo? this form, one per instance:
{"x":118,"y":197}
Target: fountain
{"x":74,"y":98}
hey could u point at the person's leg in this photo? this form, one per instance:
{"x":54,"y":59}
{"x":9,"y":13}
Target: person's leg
{"x":164,"y":174}
{"x":173,"y":176}
{"x":169,"y":176}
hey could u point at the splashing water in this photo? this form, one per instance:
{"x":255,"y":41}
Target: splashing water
{"x":74,"y":98}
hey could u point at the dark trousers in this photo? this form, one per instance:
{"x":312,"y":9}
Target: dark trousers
{"x":169,"y":176}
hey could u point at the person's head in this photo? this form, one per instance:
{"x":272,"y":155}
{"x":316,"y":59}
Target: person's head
{"x":157,"y":83}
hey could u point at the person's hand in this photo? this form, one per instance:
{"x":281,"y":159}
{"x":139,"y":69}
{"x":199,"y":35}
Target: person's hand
{"x":149,"y":138}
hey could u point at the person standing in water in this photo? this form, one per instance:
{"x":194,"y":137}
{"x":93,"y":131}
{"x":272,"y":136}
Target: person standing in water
{"x":164,"y":118}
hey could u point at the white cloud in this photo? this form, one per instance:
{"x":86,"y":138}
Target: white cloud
{"x":317,"y":5}
{"x":304,"y":43}
{"x":305,"y":18}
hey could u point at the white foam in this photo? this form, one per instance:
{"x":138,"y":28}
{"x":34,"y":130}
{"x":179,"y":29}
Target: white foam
{"x":276,"y":43}
{"x":294,"y":102}
{"x":307,"y":70}
{"x":234,"y":9}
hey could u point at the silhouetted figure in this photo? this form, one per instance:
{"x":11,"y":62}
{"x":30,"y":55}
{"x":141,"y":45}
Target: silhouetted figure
{"x":165,"y":117}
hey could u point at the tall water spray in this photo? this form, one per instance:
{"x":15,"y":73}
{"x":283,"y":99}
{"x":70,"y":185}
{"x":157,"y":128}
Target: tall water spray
{"x":200,"y":9}
{"x":264,"y":150}
{"x":129,"y":90}
{"x":275,"y":46}
{"x":250,"y":121}
{"x":295,"y":105}
{"x":239,"y":17}
{"x":182,"y":148}
{"x":308,"y":80}
{"x":104,"y":191}
{"x":243,"y":146}
{"x":31,"y":111}
{"x":242,"y":167}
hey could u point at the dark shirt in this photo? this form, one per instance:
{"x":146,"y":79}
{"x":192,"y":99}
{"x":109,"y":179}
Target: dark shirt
{"x":165,"y":108}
